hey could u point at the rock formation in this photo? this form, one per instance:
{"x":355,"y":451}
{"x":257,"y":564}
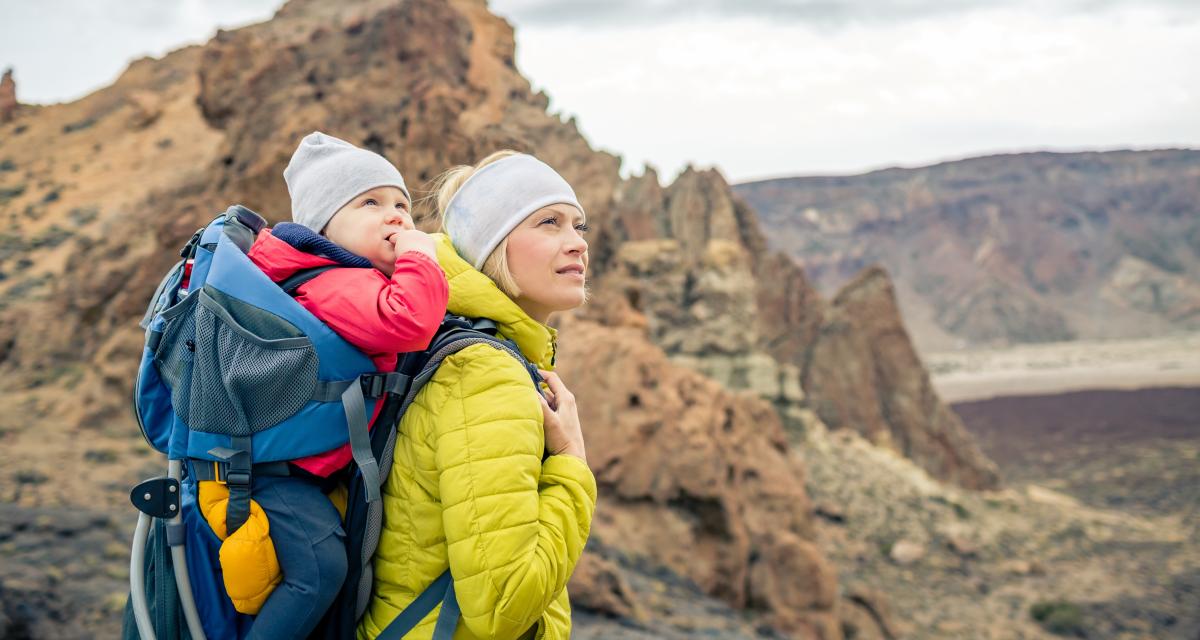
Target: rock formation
{"x":698,"y":479}
{"x":863,"y":373}
{"x":692,"y":259}
{"x":8,"y":97}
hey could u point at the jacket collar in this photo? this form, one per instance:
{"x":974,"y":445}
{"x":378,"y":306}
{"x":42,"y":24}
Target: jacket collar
{"x":474,"y":295}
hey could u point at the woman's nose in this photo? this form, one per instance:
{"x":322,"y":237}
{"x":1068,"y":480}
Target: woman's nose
{"x":576,"y":244}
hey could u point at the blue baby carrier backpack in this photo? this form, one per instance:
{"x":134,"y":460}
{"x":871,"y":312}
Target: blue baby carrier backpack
{"x":237,"y":378}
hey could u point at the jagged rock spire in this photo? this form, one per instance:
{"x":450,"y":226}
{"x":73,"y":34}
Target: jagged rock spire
{"x":8,"y":96}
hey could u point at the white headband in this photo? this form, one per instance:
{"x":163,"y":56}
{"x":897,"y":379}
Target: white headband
{"x":496,"y":198}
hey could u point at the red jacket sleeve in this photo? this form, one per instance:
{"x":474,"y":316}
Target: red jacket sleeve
{"x":378,"y":314}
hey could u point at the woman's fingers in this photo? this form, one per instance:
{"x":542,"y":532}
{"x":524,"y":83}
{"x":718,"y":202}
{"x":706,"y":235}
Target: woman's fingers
{"x":562,"y":431}
{"x":550,"y":418}
{"x":561,"y":394}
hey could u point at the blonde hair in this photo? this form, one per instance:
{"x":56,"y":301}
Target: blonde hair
{"x":445,"y":187}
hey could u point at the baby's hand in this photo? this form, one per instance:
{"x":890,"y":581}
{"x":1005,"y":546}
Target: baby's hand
{"x":413,"y":240}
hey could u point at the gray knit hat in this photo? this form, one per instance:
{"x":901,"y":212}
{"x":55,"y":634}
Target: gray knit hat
{"x":325,"y":173}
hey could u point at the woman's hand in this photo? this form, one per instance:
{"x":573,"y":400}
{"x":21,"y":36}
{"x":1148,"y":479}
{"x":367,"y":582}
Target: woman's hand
{"x":564,"y":436}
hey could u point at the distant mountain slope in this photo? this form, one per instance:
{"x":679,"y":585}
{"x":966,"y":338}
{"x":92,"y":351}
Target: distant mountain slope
{"x":1010,"y":248}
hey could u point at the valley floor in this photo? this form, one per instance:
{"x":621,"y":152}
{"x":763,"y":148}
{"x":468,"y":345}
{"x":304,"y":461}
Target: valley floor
{"x":1041,"y":369}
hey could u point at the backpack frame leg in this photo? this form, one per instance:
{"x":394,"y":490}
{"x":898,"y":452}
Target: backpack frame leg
{"x":137,"y":578}
{"x":137,"y":582}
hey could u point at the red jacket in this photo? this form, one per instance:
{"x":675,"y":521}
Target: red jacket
{"x":380,"y":316}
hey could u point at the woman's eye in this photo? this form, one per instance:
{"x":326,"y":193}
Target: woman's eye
{"x":582,"y":228}
{"x":549,"y":220}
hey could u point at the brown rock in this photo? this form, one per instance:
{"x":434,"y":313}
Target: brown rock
{"x":8,"y":96}
{"x":906,"y":552}
{"x":963,"y":546}
{"x":864,"y":374}
{"x":696,"y":478}
{"x":146,"y":109}
{"x":867,"y":614}
{"x":598,"y":585}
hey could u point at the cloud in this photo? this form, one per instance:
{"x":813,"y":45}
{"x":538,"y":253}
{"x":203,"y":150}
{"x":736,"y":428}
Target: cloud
{"x":64,"y":49}
{"x":760,"y":98}
{"x":817,"y":13}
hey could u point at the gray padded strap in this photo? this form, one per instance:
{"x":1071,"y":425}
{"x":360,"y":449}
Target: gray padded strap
{"x":237,"y":480}
{"x":448,"y":349}
{"x":360,"y":441}
{"x":331,"y":391}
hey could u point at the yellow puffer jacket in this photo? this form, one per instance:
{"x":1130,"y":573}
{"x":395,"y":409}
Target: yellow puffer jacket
{"x":468,"y":488}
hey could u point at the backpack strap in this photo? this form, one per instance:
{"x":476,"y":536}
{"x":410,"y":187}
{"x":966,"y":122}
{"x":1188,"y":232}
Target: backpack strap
{"x":440,"y":592}
{"x":457,"y":333}
{"x":355,"y":406}
{"x":238,"y":477}
{"x":303,"y":276}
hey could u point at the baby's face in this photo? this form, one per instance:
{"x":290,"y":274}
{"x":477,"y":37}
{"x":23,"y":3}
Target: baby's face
{"x":366,"y":223}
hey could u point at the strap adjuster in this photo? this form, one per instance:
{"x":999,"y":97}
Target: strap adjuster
{"x":372,"y":384}
{"x":237,"y":478}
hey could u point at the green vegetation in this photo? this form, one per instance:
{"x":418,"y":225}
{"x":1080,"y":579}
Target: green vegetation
{"x":83,"y":215}
{"x":960,"y":511}
{"x":104,"y":456}
{"x":78,"y":126}
{"x":51,"y":237}
{"x":8,"y":193}
{"x":11,"y":245}
{"x":886,"y":544}
{"x":1059,"y":617}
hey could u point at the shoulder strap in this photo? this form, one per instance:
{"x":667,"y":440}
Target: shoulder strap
{"x":455,"y":335}
{"x":302,"y":277}
{"x":440,"y":592}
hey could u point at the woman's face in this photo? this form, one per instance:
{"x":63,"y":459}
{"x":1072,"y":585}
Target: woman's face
{"x":548,"y":257}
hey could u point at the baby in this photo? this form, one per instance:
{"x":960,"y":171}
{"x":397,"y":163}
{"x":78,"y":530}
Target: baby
{"x":350,"y":208}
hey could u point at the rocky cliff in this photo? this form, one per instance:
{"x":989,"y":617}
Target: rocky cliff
{"x":1008,"y":249}
{"x":690,"y":307}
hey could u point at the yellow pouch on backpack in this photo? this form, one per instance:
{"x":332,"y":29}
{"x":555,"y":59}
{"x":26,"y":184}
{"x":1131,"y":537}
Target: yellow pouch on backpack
{"x":249,"y":565}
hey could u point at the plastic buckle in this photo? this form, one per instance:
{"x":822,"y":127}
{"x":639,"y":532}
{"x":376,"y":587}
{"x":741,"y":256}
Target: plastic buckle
{"x":217,"y":472}
{"x":186,"y":251}
{"x":372,"y":385}
{"x":237,"y":478}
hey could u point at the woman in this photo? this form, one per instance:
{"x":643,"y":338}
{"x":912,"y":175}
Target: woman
{"x":490,"y":479}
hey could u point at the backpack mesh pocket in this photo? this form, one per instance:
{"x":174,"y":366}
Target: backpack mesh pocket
{"x":176,"y":351}
{"x":252,"y":369}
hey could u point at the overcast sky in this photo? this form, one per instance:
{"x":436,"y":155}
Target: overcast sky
{"x":756,"y":87}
